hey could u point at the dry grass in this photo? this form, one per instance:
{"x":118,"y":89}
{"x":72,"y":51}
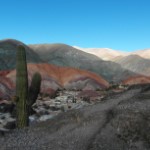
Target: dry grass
{"x":118,"y":123}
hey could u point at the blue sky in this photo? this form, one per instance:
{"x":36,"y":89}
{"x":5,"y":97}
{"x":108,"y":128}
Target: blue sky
{"x":117,"y":24}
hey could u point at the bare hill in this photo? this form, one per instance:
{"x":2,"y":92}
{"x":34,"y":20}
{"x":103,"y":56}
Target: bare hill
{"x":65,"y":55}
{"x":8,"y":54}
{"x":103,"y":53}
{"x":135,"y":63}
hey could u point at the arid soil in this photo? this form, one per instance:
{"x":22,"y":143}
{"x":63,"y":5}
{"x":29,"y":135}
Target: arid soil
{"x":120,"y":122}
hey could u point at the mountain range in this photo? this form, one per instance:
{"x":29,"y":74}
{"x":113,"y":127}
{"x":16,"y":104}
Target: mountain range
{"x":110,"y":54}
{"x":103,"y":53}
{"x":61,"y":55}
{"x":64,"y":66}
{"x":137,"y":61}
{"x":65,"y":55}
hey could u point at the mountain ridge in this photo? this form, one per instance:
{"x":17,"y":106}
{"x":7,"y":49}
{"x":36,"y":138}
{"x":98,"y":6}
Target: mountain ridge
{"x":64,"y":55}
{"x":8,"y":49}
{"x":135,"y":63}
{"x":110,"y":54}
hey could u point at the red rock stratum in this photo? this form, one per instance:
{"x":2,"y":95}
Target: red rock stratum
{"x":54,"y":77}
{"x":136,"y":80}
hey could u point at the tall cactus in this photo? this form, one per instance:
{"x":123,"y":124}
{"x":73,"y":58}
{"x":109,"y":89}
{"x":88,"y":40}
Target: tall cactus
{"x":34,"y":90}
{"x":21,"y":88}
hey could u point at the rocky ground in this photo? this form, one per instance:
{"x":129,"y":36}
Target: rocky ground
{"x":46,"y":107}
{"x":118,"y":122}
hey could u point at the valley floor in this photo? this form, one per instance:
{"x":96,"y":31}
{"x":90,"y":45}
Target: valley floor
{"x":120,"y":122}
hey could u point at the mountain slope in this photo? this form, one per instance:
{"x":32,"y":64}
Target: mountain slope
{"x":135,"y":63}
{"x":53,"y":52}
{"x":143,"y":53}
{"x":8,"y":54}
{"x":61,"y":55}
{"x":53,"y":78}
{"x":110,"y":54}
{"x":65,"y":55}
{"x":121,"y":122}
{"x":136,"y":80}
{"x":103,"y":53}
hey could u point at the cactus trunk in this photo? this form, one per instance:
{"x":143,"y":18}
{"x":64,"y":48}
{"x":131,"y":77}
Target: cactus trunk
{"x":21,"y":88}
{"x":34,"y":90}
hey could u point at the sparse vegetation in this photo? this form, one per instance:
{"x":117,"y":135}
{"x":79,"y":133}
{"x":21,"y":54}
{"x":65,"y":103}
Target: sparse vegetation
{"x":119,"y":122}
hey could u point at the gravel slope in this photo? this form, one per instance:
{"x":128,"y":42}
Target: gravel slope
{"x":120,"y":122}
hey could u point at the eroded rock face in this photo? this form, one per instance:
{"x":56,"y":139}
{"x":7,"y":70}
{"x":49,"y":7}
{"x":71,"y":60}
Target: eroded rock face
{"x":54,"y":78}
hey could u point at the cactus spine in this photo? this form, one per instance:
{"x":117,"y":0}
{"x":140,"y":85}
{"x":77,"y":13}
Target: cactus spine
{"x":21,"y":88}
